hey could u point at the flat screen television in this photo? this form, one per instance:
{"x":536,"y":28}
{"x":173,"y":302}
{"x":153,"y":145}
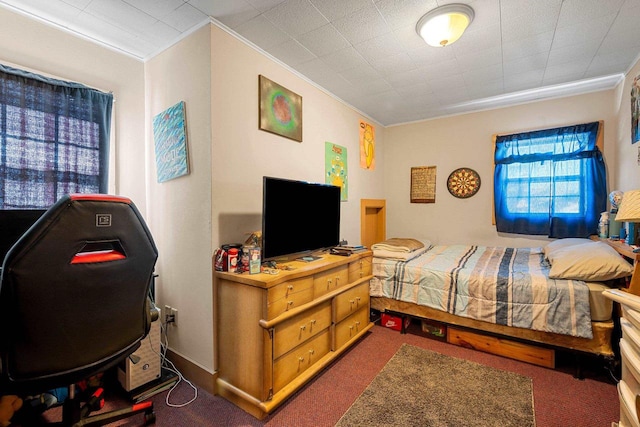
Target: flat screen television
{"x":298,"y":218}
{"x":13,"y":224}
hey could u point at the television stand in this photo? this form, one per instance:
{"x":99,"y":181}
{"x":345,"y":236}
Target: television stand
{"x":277,"y":332}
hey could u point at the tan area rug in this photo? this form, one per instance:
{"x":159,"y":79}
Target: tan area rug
{"x":422,"y":388}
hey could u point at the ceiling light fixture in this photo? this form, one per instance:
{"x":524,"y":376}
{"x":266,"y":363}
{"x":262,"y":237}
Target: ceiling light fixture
{"x":445,"y":24}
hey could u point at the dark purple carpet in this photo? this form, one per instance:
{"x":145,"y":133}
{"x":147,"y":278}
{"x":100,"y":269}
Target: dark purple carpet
{"x":560,"y":399}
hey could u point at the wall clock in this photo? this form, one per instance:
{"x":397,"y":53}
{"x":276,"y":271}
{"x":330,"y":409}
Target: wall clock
{"x":463,"y":183}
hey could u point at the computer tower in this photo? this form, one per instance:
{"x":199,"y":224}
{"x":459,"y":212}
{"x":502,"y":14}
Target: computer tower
{"x":147,"y":366}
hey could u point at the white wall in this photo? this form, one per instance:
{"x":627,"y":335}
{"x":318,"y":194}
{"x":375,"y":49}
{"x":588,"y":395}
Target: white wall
{"x":31,"y":45}
{"x":220,"y":201}
{"x":180,"y":209}
{"x":466,"y":141}
{"x":243,"y":154}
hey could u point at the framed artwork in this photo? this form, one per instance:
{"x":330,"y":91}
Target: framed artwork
{"x":280,"y":110}
{"x":367,"y":146}
{"x":635,"y":110}
{"x":423,"y":184}
{"x":463,"y":183}
{"x":335,"y":166}
{"x":170,"y":137}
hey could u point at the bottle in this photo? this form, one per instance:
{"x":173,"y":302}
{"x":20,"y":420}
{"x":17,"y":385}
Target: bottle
{"x":233,"y":260}
{"x":603,"y":225}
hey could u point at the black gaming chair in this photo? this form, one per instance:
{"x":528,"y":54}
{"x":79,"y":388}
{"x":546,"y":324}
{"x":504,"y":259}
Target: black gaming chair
{"x":74,"y":301}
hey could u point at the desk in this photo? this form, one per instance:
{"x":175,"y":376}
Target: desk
{"x":627,"y":251}
{"x":621,"y":247}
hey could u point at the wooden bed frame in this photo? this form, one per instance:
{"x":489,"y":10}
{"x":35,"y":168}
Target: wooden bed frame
{"x":518,"y":343}
{"x":536,"y":347}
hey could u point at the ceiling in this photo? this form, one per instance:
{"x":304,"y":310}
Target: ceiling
{"x":367,"y":52}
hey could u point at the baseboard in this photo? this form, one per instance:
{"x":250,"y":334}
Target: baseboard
{"x":194,"y":373}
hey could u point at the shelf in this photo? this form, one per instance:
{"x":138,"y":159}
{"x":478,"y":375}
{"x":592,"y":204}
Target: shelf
{"x":621,"y":247}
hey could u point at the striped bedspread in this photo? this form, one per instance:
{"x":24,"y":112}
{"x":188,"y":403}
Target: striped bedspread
{"x":506,"y":286}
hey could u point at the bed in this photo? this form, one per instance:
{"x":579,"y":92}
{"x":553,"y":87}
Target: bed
{"x":548,"y":296}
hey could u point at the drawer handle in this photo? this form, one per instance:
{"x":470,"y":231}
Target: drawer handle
{"x":303,"y":327}
{"x":352,"y":301}
{"x":337,"y":281}
{"x":312,"y":352}
{"x":289,"y":288}
{"x":289,"y":304}
{"x":301,"y":359}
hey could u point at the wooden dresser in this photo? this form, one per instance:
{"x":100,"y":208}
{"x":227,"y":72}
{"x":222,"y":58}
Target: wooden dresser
{"x":629,"y":384}
{"x":276,"y":332}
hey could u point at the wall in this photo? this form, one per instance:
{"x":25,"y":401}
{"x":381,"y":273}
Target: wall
{"x":40,"y":48}
{"x":180,"y":209}
{"x":243,"y":154}
{"x":627,"y":170}
{"x":466,"y":141}
{"x":220,"y":201}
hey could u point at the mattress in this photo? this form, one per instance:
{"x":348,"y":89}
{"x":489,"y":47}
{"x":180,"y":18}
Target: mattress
{"x":601,"y":308}
{"x":506,"y":286}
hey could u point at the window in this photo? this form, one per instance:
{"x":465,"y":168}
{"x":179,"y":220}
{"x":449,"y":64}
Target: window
{"x":54,"y":139}
{"x":550,"y":182}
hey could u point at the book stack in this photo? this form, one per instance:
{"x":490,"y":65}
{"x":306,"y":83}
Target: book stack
{"x":346,"y":250}
{"x":166,"y":381}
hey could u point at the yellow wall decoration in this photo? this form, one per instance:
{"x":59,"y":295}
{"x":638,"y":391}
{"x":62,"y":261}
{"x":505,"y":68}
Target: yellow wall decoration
{"x":367,"y":146}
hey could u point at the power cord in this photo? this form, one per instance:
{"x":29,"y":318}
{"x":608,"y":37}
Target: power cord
{"x":164,"y":344}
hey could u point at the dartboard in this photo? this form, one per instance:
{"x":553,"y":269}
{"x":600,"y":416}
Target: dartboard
{"x":463,"y":183}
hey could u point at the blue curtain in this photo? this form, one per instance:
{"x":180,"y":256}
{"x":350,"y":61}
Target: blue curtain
{"x":54,"y":139}
{"x":550,"y":182}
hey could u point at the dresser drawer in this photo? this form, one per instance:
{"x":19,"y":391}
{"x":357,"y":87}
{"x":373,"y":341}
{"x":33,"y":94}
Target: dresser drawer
{"x":630,"y":366}
{"x":298,"y":329}
{"x":350,"y":327}
{"x":350,"y":301}
{"x":330,"y":280}
{"x":288,"y":295}
{"x":294,"y":363}
{"x":359,"y":269}
{"x":628,"y":414}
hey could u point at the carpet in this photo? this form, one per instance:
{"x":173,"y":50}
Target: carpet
{"x":419,"y":387}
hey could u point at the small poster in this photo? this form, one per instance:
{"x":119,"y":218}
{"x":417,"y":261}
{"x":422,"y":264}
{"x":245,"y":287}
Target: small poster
{"x":423,"y":184}
{"x":367,"y":146}
{"x":335,"y":166}
{"x":170,"y":136}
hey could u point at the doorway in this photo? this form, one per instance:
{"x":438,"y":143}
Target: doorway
{"x":373,"y":221}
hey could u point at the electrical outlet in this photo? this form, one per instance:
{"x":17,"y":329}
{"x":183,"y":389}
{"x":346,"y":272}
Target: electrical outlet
{"x":174,"y":316}
{"x":168,"y":314}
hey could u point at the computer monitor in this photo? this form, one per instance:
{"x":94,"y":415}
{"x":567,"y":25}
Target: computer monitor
{"x":13,"y":224}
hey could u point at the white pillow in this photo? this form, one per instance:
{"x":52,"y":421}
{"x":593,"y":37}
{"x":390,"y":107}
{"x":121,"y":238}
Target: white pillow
{"x":563,"y":243}
{"x":592,"y":261}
